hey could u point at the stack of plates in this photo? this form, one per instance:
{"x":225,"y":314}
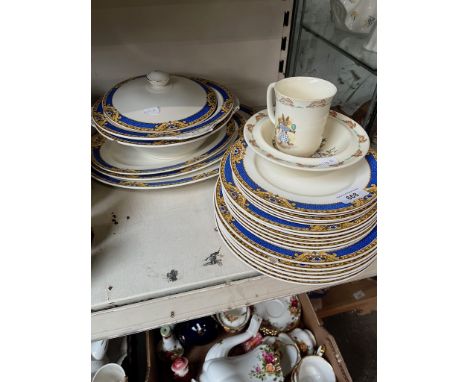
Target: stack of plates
{"x":303,"y":220}
{"x":159,"y":131}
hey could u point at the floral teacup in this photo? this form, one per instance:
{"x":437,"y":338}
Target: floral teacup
{"x":279,"y":315}
{"x":304,"y":340}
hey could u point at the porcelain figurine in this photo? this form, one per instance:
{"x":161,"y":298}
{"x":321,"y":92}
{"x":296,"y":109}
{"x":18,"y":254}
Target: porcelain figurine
{"x":279,"y":315}
{"x":260,"y":364}
{"x":304,"y":339}
{"x":200,"y":331}
{"x":355,"y":16}
{"x":234,"y":320}
{"x":170,"y":347}
{"x":180,"y":368}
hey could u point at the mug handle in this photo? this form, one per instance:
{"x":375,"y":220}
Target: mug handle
{"x":271,"y":111}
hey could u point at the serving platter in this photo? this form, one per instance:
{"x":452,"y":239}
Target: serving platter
{"x":344,"y":143}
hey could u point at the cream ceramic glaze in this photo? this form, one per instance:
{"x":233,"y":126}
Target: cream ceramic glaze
{"x":305,"y":187}
{"x":252,"y":366}
{"x":136,"y":158}
{"x":340,"y":144}
{"x":314,"y":369}
{"x":301,"y":112}
{"x":111,"y":372}
{"x":159,"y":98}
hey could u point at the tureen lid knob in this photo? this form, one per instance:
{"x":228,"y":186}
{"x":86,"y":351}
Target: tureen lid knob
{"x":158,"y":79}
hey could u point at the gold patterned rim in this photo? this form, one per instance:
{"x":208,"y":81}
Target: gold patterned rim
{"x":237,"y":154}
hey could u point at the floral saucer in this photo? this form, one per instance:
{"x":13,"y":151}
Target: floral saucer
{"x":279,"y":315}
{"x":344,"y":143}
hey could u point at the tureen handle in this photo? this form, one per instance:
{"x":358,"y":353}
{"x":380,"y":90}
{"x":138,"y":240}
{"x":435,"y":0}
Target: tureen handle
{"x":158,"y":79}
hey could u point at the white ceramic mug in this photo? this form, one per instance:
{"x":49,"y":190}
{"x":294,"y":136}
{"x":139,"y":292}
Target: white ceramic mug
{"x":301,"y":113}
{"x":111,"y":372}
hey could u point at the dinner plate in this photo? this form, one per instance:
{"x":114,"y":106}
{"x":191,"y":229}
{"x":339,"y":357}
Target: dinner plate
{"x":174,"y":129}
{"x":344,"y":143}
{"x":301,"y":246}
{"x":308,"y":267}
{"x":294,"y":268}
{"x":182,"y":180}
{"x":303,"y":237}
{"x":265,"y":217}
{"x":306,"y":219}
{"x":115,"y":158}
{"x":363,"y":246}
{"x":322,"y":199}
{"x":291,"y":243}
{"x":295,"y":278}
{"x":305,"y":244}
{"x":302,"y":272}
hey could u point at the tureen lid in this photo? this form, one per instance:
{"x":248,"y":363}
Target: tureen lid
{"x":157,"y":98}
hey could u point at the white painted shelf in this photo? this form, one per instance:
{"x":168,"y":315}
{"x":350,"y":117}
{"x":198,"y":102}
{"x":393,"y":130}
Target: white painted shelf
{"x":163,"y":261}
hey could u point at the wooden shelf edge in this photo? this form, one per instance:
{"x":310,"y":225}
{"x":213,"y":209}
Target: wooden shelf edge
{"x":146,"y":315}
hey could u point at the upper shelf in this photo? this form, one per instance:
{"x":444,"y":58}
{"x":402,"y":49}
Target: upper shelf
{"x":164,"y":262}
{"x":317,"y":20}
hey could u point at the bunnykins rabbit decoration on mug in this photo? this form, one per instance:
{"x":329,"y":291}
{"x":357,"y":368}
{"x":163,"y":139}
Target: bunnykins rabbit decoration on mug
{"x":301,"y":113}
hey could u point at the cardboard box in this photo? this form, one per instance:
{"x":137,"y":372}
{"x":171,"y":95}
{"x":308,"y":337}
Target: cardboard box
{"x":156,"y":371}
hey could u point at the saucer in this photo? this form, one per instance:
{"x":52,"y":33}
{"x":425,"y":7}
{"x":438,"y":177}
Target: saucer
{"x":344,"y":143}
{"x":279,"y":315}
